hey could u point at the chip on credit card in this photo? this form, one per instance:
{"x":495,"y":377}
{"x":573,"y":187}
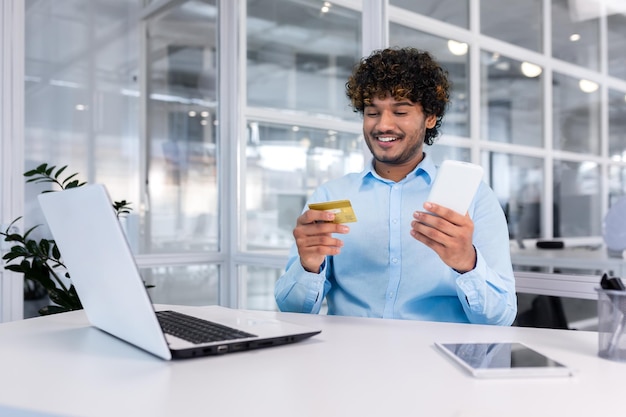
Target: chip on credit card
{"x":342,"y":209}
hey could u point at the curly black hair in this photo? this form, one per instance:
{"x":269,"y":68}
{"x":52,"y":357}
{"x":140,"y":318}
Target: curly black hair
{"x":403,"y":73}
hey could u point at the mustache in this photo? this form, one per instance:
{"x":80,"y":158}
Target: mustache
{"x":387,"y":133}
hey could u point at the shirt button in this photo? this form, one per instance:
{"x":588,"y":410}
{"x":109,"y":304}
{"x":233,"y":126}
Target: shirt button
{"x":394,"y":221}
{"x":394,"y":260}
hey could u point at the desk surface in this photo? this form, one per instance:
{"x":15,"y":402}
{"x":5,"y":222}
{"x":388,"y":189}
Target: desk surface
{"x":60,"y":366}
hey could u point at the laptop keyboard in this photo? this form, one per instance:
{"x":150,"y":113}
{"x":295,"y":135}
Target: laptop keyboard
{"x":196,"y":330}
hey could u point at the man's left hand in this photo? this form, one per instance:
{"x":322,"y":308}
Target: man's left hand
{"x":448,"y":233}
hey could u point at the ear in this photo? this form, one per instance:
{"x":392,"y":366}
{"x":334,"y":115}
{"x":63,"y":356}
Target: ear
{"x":431,"y":121}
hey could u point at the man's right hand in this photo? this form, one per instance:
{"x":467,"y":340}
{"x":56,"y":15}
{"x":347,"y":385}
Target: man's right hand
{"x":314,"y":240}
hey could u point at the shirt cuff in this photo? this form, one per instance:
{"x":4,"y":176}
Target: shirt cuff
{"x":472,"y":284}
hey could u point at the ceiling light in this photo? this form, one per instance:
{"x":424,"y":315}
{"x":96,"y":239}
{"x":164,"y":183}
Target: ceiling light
{"x":457,"y":48}
{"x":574,"y":37}
{"x":192,"y":113}
{"x":587,"y":86}
{"x":530,"y":70}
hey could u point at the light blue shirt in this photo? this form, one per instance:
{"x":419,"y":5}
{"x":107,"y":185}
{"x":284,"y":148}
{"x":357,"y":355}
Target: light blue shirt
{"x":382,"y":271}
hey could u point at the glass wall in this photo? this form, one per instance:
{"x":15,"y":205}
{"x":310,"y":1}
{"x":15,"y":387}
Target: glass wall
{"x":519,"y":23}
{"x":181,"y":194}
{"x":511,"y":100}
{"x":455,"y":12}
{"x":518,"y":182}
{"x":576,"y":114}
{"x":299,"y":56}
{"x":576,"y":32}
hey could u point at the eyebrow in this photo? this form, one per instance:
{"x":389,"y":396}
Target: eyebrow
{"x":398,"y":104}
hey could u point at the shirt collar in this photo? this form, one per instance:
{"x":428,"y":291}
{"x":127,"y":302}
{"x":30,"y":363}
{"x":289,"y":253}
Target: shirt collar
{"x":425,"y":168}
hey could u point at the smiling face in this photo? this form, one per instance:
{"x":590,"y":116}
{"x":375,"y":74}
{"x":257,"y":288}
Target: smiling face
{"x":394,"y":132}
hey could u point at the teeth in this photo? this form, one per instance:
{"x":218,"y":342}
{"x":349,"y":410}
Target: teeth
{"x":387,"y":138}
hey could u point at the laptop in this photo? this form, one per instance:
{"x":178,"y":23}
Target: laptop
{"x":102,"y":268}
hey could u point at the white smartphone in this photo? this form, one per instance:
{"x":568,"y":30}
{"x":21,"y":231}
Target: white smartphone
{"x":455,"y":185}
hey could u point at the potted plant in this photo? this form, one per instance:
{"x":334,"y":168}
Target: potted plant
{"x":40,"y":260}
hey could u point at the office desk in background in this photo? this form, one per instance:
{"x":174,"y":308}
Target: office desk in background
{"x":570,"y":272}
{"x":572,"y":259}
{"x":60,"y":366}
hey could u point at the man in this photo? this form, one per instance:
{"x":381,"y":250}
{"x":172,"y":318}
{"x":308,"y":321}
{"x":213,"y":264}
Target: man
{"x":405,"y":257}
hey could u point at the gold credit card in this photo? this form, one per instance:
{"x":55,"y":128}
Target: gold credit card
{"x":342,"y":209}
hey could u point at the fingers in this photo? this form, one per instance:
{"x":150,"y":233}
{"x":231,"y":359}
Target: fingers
{"x":448,"y":233}
{"x":312,"y":216}
{"x":313,"y":235}
{"x":446,"y":213}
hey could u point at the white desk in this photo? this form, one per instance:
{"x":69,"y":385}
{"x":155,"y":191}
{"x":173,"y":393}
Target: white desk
{"x":59,"y":366}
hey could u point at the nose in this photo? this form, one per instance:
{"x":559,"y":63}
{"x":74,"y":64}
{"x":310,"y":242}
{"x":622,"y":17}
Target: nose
{"x":386,"y":121}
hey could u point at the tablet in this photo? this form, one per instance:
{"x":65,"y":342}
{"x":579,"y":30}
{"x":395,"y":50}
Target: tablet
{"x":503,"y":360}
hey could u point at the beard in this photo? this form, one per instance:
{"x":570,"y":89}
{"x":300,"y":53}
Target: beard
{"x":412,"y":149}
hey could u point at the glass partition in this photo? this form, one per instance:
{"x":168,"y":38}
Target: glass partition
{"x":576,"y":32}
{"x":300,"y":54}
{"x":511,"y":100}
{"x":455,"y":12}
{"x":183,"y":284}
{"x":518,"y":22}
{"x":441,"y":152}
{"x":617,"y":144}
{"x":577,"y":202}
{"x":518,"y":184}
{"x":81,"y":92}
{"x":617,"y":183}
{"x":616,"y":39}
{"x":617,"y":125}
{"x":256,"y":287}
{"x":576,"y":114}
{"x":181,"y":196}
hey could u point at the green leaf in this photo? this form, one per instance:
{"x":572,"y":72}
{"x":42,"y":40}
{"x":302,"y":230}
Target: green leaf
{"x":32,"y":247}
{"x":15,"y":268}
{"x":18,"y":251}
{"x":70,"y":177}
{"x":41,"y":168}
{"x":13,"y":238}
{"x":60,"y":171}
{"x":44,"y":246}
{"x":56,"y":254}
{"x":73,"y":184}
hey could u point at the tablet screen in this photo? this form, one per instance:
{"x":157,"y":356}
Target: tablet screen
{"x":503,"y":359}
